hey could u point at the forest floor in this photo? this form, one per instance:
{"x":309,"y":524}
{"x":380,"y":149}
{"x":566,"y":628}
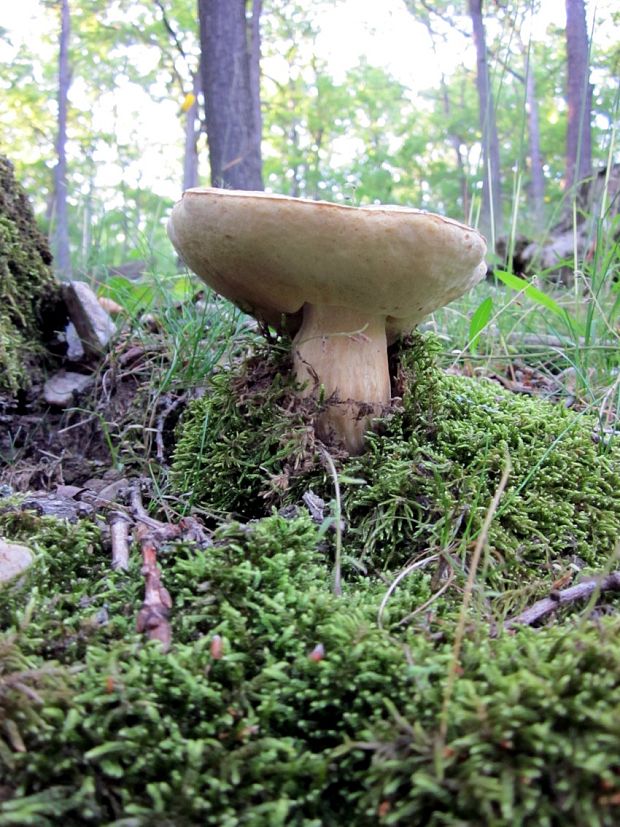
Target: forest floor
{"x":348,"y":647}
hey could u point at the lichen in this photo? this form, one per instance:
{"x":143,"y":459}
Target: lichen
{"x":265,"y":731}
{"x":31,"y":309}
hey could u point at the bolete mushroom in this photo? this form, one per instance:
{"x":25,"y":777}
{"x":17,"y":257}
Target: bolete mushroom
{"x":347,"y":281}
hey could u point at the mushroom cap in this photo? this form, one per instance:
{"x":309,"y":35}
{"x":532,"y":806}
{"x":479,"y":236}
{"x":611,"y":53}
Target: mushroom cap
{"x":270,"y":254}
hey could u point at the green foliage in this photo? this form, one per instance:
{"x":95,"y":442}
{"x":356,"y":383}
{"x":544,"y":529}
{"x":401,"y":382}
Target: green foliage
{"x":257,"y":731}
{"x":427,"y":476}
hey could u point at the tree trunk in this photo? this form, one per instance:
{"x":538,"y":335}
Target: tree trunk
{"x":491,"y":218}
{"x":578,"y":97}
{"x":190,"y":157}
{"x":230,"y":49}
{"x":61,"y":233}
{"x":457,"y":143}
{"x":537,"y":177}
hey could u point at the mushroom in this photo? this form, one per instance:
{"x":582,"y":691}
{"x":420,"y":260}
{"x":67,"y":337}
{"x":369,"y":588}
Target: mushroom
{"x":346,"y":281}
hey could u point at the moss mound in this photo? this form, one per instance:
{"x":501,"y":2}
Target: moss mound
{"x":31,"y":308}
{"x":426,"y":480}
{"x":99,"y":728}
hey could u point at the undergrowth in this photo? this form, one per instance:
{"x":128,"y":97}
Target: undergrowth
{"x":305,"y":712}
{"x":426,"y":478}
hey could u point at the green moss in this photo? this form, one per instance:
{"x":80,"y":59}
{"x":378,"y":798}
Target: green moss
{"x":243,"y":437}
{"x":424,"y":482}
{"x":30,"y":305}
{"x":268,"y":735}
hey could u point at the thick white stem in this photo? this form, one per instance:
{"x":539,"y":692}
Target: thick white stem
{"x":345,"y":353}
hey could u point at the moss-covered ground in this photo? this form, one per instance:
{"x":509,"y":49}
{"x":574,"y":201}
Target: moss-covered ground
{"x":31,"y":309}
{"x":426,"y":479}
{"x":280,"y":703}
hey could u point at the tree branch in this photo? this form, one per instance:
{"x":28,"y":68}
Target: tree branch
{"x":581,"y":591}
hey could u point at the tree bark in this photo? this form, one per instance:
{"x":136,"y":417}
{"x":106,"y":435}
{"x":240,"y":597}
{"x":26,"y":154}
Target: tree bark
{"x":491,"y":217}
{"x":230,"y":49}
{"x":190,"y":156}
{"x":61,"y":233}
{"x":537,"y":176}
{"x":578,"y":97}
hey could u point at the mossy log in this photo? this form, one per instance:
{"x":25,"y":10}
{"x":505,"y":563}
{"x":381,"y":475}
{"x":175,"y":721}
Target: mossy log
{"x":31,"y":307}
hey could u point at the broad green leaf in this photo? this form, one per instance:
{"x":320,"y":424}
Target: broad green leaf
{"x":134,"y":297}
{"x":517,"y":283}
{"x":479,"y":321}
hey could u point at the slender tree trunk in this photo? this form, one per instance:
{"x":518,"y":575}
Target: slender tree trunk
{"x":254,"y":33}
{"x":190,"y":157}
{"x":578,"y":96}
{"x":492,"y":219}
{"x":230,"y":50}
{"x":61,"y":233}
{"x":537,"y":176}
{"x":456,"y":142}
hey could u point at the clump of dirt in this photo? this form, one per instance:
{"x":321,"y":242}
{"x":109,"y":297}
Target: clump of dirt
{"x":115,"y":428}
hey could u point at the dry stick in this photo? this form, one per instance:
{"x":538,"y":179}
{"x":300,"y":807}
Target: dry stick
{"x":338,"y":558}
{"x":155,"y":611}
{"x":119,"y":535}
{"x":161,"y":422}
{"x":581,"y":591}
{"x":469,"y":587}
{"x":153,"y":616}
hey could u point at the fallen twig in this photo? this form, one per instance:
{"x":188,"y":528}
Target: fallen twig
{"x":155,"y":611}
{"x":161,"y":423}
{"x":150,"y":534}
{"x":548,"y":605}
{"x":119,"y":535}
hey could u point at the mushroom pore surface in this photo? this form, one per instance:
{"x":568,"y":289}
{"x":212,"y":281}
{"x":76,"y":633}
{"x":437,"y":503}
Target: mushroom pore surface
{"x":346,"y":280}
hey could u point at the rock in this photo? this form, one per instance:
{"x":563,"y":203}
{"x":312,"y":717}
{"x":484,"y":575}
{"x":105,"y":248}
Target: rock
{"x":75,"y":349}
{"x":53,"y":505}
{"x":61,"y":389}
{"x":94,"y":326}
{"x":14,"y":559}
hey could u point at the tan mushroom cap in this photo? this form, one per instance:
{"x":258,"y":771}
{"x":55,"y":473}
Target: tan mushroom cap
{"x":271,"y":254}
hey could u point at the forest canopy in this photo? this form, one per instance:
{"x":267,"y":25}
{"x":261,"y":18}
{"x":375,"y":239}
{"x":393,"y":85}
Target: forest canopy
{"x":357,"y":105}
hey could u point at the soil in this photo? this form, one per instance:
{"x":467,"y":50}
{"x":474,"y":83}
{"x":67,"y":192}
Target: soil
{"x":101,"y":436}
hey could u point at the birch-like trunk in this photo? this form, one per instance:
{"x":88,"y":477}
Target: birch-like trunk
{"x":491,"y":215}
{"x":192,"y":133}
{"x":61,"y":248}
{"x":578,"y":97}
{"x":537,"y":176}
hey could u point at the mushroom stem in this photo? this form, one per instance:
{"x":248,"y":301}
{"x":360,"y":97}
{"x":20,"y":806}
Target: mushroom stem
{"x":345,"y":351}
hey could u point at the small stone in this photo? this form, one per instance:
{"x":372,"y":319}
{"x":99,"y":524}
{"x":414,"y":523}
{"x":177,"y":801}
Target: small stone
{"x":94,"y":326}
{"x":14,"y":559}
{"x":61,"y":389}
{"x":75,"y":349}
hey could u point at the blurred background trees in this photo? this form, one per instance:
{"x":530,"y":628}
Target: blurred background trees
{"x":517,"y":110}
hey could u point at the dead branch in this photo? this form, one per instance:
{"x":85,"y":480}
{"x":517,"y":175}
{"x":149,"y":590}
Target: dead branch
{"x":581,"y":591}
{"x":119,"y":536}
{"x":155,"y":611}
{"x":153,"y":617}
{"x":161,"y":423}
